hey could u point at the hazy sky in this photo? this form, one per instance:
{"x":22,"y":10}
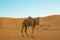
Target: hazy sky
{"x":24,"y":8}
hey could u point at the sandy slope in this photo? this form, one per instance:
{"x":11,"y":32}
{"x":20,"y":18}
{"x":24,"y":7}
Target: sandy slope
{"x":10,"y":29}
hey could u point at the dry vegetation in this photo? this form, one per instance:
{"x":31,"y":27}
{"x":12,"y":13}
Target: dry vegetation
{"x":10,"y":29}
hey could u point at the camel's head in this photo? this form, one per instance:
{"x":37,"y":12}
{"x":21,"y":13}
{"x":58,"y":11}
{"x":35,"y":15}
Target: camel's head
{"x":37,"y":20}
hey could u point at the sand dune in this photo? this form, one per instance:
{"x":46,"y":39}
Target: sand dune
{"x":10,"y":29}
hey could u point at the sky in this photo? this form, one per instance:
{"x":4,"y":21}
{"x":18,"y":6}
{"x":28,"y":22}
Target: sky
{"x":25,"y":8}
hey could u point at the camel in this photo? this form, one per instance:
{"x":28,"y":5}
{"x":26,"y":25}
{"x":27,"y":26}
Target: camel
{"x":29,"y":22}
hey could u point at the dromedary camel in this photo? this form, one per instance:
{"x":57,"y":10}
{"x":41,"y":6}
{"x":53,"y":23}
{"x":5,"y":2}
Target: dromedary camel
{"x":29,"y":22}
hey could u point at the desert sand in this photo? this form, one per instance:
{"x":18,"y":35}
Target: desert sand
{"x":49,"y":29}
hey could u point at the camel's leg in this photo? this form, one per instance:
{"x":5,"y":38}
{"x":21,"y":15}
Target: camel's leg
{"x":26,"y":31}
{"x":22,"y":30}
{"x":32,"y":31}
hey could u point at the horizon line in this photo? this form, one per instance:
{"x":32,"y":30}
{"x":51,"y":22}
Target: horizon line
{"x":28,"y":16}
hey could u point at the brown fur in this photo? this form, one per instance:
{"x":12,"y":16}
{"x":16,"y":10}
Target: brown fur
{"x":32,"y":22}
